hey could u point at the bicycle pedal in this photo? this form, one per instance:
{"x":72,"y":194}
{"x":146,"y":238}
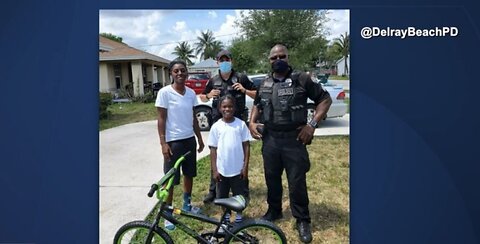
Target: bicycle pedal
{"x":196,"y":210}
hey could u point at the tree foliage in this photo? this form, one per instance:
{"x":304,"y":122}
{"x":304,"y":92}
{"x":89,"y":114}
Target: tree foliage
{"x":184,"y":52}
{"x":342,"y":46}
{"x":302,"y":31}
{"x":207,"y":46}
{"x":242,"y":52}
{"x":330,"y":57}
{"x":112,"y":37}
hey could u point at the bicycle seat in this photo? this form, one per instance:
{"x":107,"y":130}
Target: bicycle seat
{"x":236,"y":203}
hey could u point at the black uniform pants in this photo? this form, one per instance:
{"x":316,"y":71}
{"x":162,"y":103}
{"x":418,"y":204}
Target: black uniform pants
{"x":280,"y":151}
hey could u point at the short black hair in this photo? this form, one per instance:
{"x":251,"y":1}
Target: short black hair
{"x":176,"y":61}
{"x":226,"y":97}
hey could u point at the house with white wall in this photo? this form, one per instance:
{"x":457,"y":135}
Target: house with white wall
{"x":209,"y":65}
{"x":341,"y":66}
{"x":124,"y":67}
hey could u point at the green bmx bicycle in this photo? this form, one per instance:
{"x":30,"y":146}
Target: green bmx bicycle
{"x":248,"y":231}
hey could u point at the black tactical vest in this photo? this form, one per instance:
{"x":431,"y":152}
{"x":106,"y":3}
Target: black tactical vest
{"x":283,"y":104}
{"x":225,"y":88}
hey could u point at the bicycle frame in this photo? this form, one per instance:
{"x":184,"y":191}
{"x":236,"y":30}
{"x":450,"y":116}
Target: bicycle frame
{"x":164,"y":213}
{"x":224,"y":231}
{"x":162,"y":193}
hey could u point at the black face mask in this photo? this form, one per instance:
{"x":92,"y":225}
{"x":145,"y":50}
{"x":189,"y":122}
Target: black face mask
{"x":279,"y":66}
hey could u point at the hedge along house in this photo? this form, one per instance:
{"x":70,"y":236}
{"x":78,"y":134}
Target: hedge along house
{"x":125,"y":67}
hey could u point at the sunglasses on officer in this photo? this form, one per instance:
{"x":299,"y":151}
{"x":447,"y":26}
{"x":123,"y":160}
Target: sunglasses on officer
{"x":278,"y":57}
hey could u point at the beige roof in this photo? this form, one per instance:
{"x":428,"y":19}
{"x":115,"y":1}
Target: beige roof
{"x":110,"y":50}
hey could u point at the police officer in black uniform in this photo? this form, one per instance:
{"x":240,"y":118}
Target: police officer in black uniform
{"x":227,"y":81}
{"x":281,"y":105}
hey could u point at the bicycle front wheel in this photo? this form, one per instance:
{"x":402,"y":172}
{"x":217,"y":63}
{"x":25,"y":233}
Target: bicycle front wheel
{"x":136,"y":232}
{"x":256,"y":231}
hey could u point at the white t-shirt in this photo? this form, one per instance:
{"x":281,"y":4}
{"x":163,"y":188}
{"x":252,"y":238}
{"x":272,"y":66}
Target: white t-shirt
{"x":179,"y":112}
{"x":228,"y":138}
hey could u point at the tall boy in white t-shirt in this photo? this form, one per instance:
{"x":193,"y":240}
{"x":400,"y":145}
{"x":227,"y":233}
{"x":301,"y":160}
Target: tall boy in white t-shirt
{"x":230,"y":152}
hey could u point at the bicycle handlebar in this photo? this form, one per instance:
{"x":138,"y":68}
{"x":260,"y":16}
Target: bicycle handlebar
{"x":153,"y":188}
{"x":167,"y":179}
{"x":186,"y":154}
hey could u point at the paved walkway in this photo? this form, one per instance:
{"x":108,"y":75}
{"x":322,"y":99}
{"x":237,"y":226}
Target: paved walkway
{"x":131,"y":160}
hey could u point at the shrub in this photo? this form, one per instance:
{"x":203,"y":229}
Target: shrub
{"x":105,"y":100}
{"x":148,"y":97}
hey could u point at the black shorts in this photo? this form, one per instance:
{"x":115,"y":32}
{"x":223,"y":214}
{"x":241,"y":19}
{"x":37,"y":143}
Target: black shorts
{"x":235,"y":183}
{"x":189,"y":166}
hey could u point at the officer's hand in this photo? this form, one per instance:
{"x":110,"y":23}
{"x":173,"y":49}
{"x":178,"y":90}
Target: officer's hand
{"x":239,"y":87}
{"x":214,"y":93}
{"x":306,"y":134}
{"x":253,"y":130}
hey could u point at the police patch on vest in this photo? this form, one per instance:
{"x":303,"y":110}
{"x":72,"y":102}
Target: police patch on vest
{"x":285,"y":91}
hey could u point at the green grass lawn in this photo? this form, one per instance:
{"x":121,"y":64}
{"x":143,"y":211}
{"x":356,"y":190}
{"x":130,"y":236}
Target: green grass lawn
{"x":338,"y":77}
{"x":347,"y":101}
{"x":126,"y":113}
{"x":328,"y":186}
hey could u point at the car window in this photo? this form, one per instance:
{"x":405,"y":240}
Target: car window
{"x":257,"y":80}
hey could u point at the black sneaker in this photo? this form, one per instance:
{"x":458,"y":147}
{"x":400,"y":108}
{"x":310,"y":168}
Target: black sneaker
{"x":304,"y":231}
{"x":209,"y":197}
{"x":272,"y":215}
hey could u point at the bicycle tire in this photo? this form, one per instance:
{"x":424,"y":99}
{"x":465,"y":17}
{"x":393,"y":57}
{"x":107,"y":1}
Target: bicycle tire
{"x":136,"y":232}
{"x":256,"y":231}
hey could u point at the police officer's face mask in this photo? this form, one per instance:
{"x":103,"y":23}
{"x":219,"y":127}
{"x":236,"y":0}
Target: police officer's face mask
{"x":279,"y":66}
{"x":225,"y":67}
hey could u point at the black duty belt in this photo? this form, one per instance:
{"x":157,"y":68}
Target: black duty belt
{"x":283,"y":134}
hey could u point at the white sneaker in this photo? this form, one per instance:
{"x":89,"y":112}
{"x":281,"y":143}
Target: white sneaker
{"x":169,"y":225}
{"x":222,"y":228}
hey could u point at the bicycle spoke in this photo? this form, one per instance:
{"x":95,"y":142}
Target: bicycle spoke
{"x":139,"y":235}
{"x":256,"y":234}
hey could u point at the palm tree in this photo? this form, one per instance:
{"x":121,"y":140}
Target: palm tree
{"x":342,"y":44}
{"x":214,"y":48}
{"x":205,"y":43}
{"x":185,"y":52}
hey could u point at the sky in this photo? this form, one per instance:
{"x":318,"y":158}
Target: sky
{"x":159,"y":31}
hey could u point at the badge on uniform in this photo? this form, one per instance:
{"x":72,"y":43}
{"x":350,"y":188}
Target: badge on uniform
{"x":289,"y":82}
{"x":285,"y":91}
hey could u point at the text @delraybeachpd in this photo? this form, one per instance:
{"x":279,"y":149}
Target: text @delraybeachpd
{"x":402,"y":33}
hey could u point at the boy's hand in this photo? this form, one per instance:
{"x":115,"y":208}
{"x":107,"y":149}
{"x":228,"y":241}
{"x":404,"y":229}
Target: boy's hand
{"x":217,"y":176}
{"x":166,"y":151}
{"x":200,"y":146}
{"x":244,"y":174}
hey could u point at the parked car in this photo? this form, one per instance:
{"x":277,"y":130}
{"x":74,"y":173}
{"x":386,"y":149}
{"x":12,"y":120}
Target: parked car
{"x":338,"y":108}
{"x":197,"y":81}
{"x":257,"y":79}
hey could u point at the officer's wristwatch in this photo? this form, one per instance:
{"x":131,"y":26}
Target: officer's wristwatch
{"x":313,"y":123}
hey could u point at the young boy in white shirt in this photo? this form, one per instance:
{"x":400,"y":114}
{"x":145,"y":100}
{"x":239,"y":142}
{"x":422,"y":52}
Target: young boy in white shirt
{"x":230,"y":152}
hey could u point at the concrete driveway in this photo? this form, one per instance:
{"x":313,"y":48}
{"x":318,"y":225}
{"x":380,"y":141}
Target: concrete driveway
{"x":131,"y":160}
{"x":344,"y":83}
